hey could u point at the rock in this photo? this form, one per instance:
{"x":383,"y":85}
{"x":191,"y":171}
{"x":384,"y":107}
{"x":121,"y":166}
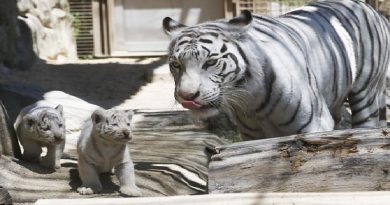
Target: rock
{"x":24,"y":46}
{"x":50,"y":24}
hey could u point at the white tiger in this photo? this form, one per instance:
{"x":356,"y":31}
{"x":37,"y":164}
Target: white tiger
{"x":285,"y":75}
{"x":102,"y":146}
{"x":41,"y":126}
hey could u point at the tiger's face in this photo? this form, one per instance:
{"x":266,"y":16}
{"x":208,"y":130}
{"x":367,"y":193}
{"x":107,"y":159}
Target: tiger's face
{"x":113,"y":126}
{"x":48,"y":127}
{"x":206,"y":65}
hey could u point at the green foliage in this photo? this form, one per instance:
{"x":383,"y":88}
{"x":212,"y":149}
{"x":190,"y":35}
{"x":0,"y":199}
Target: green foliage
{"x":76,"y":23}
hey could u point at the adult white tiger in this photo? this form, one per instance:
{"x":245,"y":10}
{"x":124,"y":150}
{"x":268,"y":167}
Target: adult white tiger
{"x":285,"y":75}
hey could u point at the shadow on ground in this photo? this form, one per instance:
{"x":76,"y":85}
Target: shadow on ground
{"x":103,"y":84}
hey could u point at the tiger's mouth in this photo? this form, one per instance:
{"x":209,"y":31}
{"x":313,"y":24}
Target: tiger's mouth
{"x":202,"y":111}
{"x":192,"y":105}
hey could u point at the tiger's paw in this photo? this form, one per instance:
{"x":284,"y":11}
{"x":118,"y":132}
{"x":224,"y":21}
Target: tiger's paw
{"x":130,"y":191}
{"x":85,"y":190}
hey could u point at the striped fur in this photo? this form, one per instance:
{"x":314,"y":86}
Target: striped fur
{"x":101,"y":147}
{"x":285,"y":75}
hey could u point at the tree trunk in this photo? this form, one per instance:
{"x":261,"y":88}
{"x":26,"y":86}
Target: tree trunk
{"x":348,"y":160}
{"x":8,"y":141}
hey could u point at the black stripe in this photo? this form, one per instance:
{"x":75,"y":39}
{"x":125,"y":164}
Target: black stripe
{"x":309,"y":121}
{"x":366,"y":119}
{"x":208,"y":51}
{"x":269,"y":78}
{"x":205,"y":40}
{"x":182,"y":42}
{"x":366,"y":82}
{"x":292,"y":119}
{"x":223,"y":49}
{"x":368,"y":104}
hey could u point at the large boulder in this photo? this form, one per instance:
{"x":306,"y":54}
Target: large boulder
{"x":50,"y":23}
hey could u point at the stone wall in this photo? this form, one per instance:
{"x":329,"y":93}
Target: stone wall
{"x":50,"y":23}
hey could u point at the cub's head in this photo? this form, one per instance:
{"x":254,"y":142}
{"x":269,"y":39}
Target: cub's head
{"x":48,"y":126}
{"x":113,"y":126}
{"x":207,"y":62}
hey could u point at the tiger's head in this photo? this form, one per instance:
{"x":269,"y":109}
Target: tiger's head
{"x":47,"y":126}
{"x":207,"y":62}
{"x":113,"y":126}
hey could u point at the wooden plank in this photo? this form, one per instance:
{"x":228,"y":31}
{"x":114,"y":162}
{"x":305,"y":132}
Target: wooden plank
{"x":348,"y":160}
{"x":340,"y":198}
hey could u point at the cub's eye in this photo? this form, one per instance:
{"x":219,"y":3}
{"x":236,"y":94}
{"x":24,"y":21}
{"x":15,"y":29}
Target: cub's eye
{"x":60,"y":125}
{"x":115,"y":124}
{"x":175,"y":64}
{"x":128,"y":124}
{"x":211,"y":62}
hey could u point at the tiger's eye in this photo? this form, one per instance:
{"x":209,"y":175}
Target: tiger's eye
{"x":211,"y":62}
{"x":175,"y":64}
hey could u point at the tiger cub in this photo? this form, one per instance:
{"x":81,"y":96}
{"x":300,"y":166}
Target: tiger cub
{"x":101,"y":147}
{"x":41,"y":126}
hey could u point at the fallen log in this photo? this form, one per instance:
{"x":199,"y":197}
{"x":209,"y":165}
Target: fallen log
{"x":347,"y":160}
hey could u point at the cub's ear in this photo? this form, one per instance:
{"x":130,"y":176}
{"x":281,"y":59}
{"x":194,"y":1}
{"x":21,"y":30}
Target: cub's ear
{"x":129,"y":114}
{"x":244,"y":19}
{"x":97,"y":116}
{"x":60,"y":109}
{"x":29,"y":121}
{"x":171,"y":26}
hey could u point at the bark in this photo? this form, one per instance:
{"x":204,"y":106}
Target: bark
{"x":348,"y":160}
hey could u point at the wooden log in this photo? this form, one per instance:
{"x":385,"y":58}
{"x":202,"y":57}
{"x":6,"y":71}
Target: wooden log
{"x":328,"y":198}
{"x":347,"y":160}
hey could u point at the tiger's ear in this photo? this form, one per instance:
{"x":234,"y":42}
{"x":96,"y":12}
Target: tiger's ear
{"x":60,"y":109}
{"x":97,"y":116}
{"x":244,"y":19}
{"x":171,"y":26}
{"x":129,"y":114}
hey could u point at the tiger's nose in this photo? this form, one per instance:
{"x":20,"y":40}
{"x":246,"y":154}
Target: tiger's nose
{"x":188,"y":96}
{"x":58,"y":137}
{"x":126,"y":134}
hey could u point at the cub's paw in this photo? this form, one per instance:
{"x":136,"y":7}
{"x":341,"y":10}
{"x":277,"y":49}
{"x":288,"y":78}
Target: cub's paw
{"x":130,"y":191}
{"x":85,"y":190}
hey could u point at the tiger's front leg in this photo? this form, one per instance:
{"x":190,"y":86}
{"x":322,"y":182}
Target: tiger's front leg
{"x":126,"y":177}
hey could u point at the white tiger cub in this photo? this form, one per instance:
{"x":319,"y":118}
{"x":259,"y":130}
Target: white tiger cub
{"x":101,"y":147}
{"x":41,"y":126}
{"x":285,"y":75}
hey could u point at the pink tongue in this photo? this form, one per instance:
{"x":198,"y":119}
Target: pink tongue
{"x":191,"y":105}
